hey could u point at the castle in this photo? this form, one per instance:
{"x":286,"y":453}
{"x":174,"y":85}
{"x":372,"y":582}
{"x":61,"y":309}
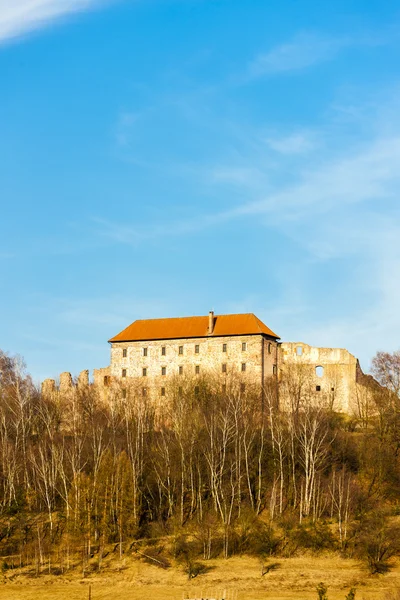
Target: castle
{"x":152,"y":353}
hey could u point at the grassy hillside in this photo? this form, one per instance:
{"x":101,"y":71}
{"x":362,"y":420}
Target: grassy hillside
{"x":133,"y":579}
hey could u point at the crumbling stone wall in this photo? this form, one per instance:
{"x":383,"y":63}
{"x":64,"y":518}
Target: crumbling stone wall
{"x":332,"y":375}
{"x":66,"y":384}
{"x":83,"y":379}
{"x":328,"y":376}
{"x":102,"y":377}
{"x":48,"y":387}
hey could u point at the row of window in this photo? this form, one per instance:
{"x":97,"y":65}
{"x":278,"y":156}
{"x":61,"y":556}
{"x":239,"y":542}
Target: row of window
{"x":196,"y":349}
{"x":180,"y":390}
{"x":224,"y":367}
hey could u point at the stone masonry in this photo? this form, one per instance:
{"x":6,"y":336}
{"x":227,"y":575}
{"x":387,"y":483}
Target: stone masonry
{"x":252,"y":356}
{"x":333,"y":375}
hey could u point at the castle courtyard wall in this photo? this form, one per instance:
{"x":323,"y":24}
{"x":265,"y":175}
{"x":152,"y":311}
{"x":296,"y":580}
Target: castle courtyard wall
{"x":329,"y":373}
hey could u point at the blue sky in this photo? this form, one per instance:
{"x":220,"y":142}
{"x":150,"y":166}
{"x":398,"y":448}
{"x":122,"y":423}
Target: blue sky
{"x":167,"y":157}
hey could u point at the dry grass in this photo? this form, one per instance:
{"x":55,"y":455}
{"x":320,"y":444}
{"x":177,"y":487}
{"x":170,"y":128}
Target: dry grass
{"x":132,"y":579}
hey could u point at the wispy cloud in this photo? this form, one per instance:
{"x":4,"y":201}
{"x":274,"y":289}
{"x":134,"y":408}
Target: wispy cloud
{"x":295,"y":143}
{"x":304,"y":50}
{"x":307,"y":49}
{"x":344,"y":212}
{"x":124,"y":128}
{"x":376,"y":325}
{"x":133,"y":235}
{"x":364,"y":175}
{"x":330,"y":192}
{"x":18,"y":17}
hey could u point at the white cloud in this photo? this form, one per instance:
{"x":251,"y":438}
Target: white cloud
{"x":296,"y":143}
{"x":340,"y":206}
{"x":328,"y":188}
{"x":235,"y":175}
{"x":346,"y":210}
{"x":133,"y":235}
{"x":124,"y":128}
{"x":364,"y":175}
{"x":18,"y":17}
{"x":375,"y":326}
{"x":305,"y":50}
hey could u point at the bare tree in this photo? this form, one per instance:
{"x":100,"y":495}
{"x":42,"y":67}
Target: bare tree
{"x":312,"y":436}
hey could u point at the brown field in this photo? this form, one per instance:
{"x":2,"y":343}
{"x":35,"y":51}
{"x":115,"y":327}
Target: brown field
{"x":292,"y":579}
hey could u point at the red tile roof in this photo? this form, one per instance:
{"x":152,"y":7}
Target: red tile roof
{"x":193,"y":327}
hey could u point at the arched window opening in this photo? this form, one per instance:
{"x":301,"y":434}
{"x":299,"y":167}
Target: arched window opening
{"x":319,"y":371}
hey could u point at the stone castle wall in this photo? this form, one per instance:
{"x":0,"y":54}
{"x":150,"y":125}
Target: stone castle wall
{"x":154,"y":363}
{"x":326,"y":376}
{"x":332,"y":375}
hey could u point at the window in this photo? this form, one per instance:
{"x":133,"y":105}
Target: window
{"x":124,"y":353}
{"x":242,"y":387}
{"x":269,"y":348}
{"x":317,"y":388}
{"x":163,"y":350}
{"x":124,"y":393}
{"x":224,"y":347}
{"x":163,"y":370}
{"x":197,"y":369}
{"x":224,"y":389}
{"x":144,"y":391}
{"x":163,"y":391}
{"x":123,"y":372}
{"x":144,"y":372}
{"x":299,"y":350}
{"x":144,"y":351}
{"x":244,"y":346}
{"x":180,"y":370}
{"x":274,"y":370}
{"x":180,"y":350}
{"x":332,"y":389}
{"x":106,"y":380}
{"x":197,"y":349}
{"x":180,"y":391}
{"x":197,"y":390}
{"x":224,"y":367}
{"x":243,"y":367}
{"x":319,"y":371}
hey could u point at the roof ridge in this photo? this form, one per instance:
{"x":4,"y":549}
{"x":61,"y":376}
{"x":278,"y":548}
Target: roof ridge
{"x":172,"y":318}
{"x":194,"y":326}
{"x":197,"y":317}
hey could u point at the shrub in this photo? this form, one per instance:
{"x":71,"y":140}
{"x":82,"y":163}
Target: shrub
{"x":194,"y":568}
{"x":263,"y":540}
{"x":322,"y":591}
{"x":377,"y":542}
{"x":315,"y":537}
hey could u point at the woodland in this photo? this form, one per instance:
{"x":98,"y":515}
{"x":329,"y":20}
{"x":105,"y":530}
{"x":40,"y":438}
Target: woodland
{"x":208,"y":475}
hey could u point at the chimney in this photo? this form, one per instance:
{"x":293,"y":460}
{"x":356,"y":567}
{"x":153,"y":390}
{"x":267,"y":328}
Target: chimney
{"x":210,"y":322}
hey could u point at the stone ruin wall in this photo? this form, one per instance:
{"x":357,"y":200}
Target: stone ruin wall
{"x":328,"y":376}
{"x":66,"y":383}
{"x":332,"y":376}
